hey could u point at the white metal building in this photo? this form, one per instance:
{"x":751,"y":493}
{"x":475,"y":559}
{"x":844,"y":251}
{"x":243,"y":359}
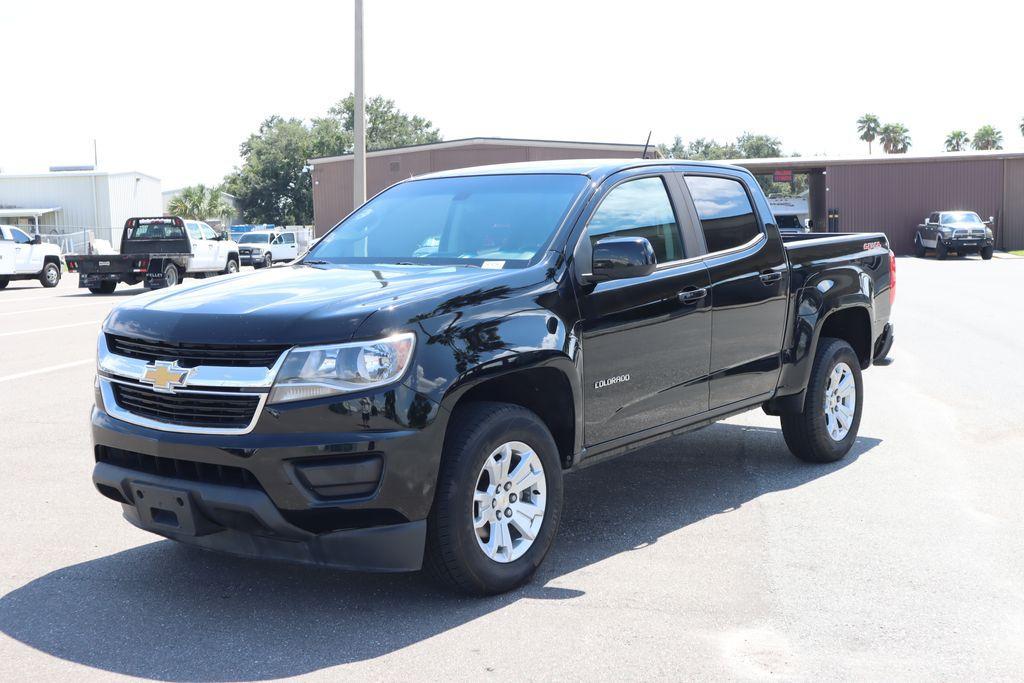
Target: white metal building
{"x":67,"y":203}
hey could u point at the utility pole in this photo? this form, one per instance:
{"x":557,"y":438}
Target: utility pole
{"x":359,"y":154}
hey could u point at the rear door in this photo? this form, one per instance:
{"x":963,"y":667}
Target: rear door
{"x":746,"y":261}
{"x":286,"y":248}
{"x":200,"y":253}
{"x":645,"y":348}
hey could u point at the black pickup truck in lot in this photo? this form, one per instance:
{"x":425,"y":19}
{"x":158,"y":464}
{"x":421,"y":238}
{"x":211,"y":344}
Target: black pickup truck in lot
{"x":412,"y":390}
{"x":160,"y":252}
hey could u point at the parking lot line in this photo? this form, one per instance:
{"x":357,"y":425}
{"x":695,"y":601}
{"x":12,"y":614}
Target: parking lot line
{"x":47,"y":329}
{"x":54,"y":308}
{"x":51,"y":368}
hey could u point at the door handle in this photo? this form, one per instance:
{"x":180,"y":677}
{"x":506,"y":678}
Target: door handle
{"x":770,"y":276}
{"x":692,"y":296}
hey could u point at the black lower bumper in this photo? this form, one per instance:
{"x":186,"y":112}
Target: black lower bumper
{"x":245,"y":522}
{"x":967,"y":245}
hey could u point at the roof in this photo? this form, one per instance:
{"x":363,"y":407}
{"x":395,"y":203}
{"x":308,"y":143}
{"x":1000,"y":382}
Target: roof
{"x":20,"y":211}
{"x":593,"y":168}
{"x":509,"y":142}
{"x":73,"y":174}
{"x":806,"y":163}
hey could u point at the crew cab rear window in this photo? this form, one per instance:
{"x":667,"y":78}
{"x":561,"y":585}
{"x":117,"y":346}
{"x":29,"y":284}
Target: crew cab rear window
{"x":156,"y":231}
{"x":726,"y":214}
{"x":639,"y":208}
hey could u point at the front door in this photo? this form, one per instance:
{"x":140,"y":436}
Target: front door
{"x":23,"y":262}
{"x":646,"y":341}
{"x":749,"y":287}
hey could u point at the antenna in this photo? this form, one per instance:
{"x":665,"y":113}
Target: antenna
{"x":646,"y":145}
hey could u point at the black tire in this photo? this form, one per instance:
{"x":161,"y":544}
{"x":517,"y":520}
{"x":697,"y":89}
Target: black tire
{"x":50,"y":275}
{"x":230,"y":267}
{"x":171,"y":275}
{"x":453,"y":554}
{"x":941,"y":250}
{"x":919,"y":249}
{"x":807,"y":433}
{"x":4,"y":280}
{"x":268,"y":260}
{"x":104,"y":288}
{"x":986,"y":253}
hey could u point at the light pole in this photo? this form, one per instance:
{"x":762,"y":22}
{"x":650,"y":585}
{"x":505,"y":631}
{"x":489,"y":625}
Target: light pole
{"x":359,"y":153}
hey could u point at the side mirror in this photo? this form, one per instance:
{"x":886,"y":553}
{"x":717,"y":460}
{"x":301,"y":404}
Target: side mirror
{"x":616,"y":258}
{"x":810,"y":224}
{"x":991,"y":220}
{"x":37,"y":240}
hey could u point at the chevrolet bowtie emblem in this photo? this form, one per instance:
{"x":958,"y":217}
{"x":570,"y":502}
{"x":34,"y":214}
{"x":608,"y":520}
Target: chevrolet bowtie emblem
{"x":166,"y":376}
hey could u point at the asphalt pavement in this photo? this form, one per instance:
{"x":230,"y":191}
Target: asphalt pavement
{"x":711,"y":555}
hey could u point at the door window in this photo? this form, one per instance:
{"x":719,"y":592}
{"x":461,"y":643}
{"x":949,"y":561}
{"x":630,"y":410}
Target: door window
{"x":639,"y":208}
{"x":288,"y":238}
{"x":726,"y":214}
{"x":20,"y":237}
{"x":934,"y":218}
{"x":193,"y":231}
{"x":208,"y":232}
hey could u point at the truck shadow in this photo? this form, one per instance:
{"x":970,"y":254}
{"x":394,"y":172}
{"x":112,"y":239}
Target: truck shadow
{"x":168,"y":612}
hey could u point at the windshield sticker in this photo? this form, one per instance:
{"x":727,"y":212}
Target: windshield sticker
{"x":493,"y":265}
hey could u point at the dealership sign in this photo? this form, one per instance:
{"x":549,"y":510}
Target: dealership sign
{"x":783,"y":176}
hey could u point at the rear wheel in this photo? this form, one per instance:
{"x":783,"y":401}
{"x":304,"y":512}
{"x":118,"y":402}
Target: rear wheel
{"x":918,"y":247}
{"x":986,"y":252}
{"x":171,"y":275}
{"x":50,"y":276}
{"x":941,"y":250}
{"x":107,"y":287}
{"x":827,"y":428}
{"x":498,"y":499}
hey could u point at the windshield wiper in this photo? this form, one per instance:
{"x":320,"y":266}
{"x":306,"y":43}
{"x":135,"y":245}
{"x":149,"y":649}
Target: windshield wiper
{"x":315,"y":262}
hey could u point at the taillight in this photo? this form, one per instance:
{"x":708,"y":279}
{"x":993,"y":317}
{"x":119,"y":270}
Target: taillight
{"x":142,"y":265}
{"x":71,"y":266}
{"x":892,"y":278}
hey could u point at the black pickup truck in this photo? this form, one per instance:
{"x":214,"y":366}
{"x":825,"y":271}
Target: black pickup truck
{"x":412,"y":390}
{"x":158,"y":251}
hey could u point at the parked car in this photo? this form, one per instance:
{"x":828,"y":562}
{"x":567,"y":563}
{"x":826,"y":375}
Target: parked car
{"x":159,"y":252}
{"x":27,"y":258}
{"x":961,"y":231}
{"x":791,"y":213}
{"x":372,"y":409}
{"x":263,"y":248}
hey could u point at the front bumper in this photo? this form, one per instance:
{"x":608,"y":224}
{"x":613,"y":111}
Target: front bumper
{"x":343,"y":482}
{"x":250,"y":259}
{"x":967,"y":244}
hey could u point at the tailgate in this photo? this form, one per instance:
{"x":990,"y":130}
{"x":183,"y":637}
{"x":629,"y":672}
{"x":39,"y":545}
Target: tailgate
{"x":107,"y":264}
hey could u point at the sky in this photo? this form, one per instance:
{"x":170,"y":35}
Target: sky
{"x":172,"y":88}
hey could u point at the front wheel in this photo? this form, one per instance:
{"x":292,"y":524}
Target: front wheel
{"x":498,"y":500}
{"x":50,"y":275}
{"x":986,"y":252}
{"x":918,"y":247}
{"x":941,"y":250}
{"x":231,"y":267}
{"x":827,"y":427}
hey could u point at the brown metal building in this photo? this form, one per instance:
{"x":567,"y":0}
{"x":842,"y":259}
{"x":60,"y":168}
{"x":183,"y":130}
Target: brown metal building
{"x":332,"y":176}
{"x":893,"y":193}
{"x":890,"y":193}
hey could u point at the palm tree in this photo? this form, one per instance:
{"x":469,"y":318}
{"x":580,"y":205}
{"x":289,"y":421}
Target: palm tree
{"x":199,"y":202}
{"x":988,"y":137}
{"x":957,"y":141}
{"x":895,"y":138}
{"x":868,"y":126}
{"x":1022,"y":126}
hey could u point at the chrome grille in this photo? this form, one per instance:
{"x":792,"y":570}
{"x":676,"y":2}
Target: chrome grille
{"x":188,"y":409}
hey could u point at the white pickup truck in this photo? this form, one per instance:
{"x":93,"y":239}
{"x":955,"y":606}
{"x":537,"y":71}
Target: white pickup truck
{"x":27,"y":258}
{"x":262,"y":248}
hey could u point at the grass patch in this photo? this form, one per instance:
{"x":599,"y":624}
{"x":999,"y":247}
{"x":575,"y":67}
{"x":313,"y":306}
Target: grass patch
{"x":1018,"y":252}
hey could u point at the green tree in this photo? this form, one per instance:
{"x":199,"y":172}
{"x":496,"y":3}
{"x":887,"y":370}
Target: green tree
{"x":386,"y":125}
{"x":957,"y":141}
{"x":869,"y":128}
{"x":987,"y":137}
{"x":1022,"y":126}
{"x":201,"y":203}
{"x":272,"y":186}
{"x":751,"y":146}
{"x":895,"y":138}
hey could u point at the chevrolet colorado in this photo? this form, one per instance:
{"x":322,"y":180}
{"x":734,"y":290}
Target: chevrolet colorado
{"x":413,"y":388}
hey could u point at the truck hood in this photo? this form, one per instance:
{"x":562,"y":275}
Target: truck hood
{"x":296,"y":304}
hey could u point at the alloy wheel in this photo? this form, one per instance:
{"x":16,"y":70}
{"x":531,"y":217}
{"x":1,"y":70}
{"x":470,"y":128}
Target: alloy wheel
{"x":509,"y":501}
{"x":840,"y":401}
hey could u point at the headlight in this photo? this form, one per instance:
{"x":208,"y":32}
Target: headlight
{"x":317,"y":371}
{"x":988,"y":233}
{"x":257,"y":250}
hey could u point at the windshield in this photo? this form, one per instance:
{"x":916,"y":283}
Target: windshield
{"x":254,"y":239}
{"x":500,"y":220}
{"x":961,"y":217}
{"x":789,"y":222}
